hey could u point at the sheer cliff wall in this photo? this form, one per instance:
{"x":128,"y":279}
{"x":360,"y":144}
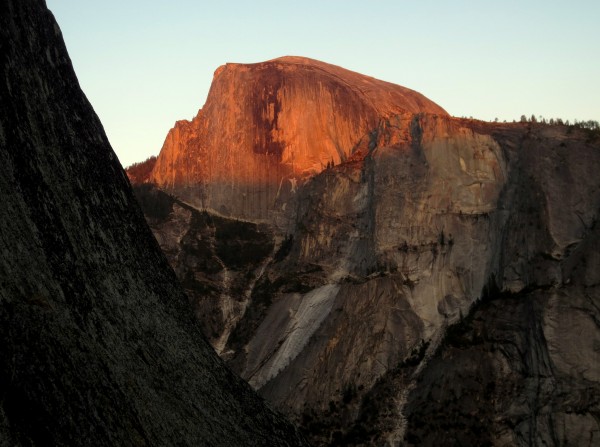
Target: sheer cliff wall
{"x":388,"y":222}
{"x":267,"y":127}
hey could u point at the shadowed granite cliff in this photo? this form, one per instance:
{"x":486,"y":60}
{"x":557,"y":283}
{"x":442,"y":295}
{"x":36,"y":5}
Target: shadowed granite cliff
{"x":391,"y":250}
{"x":98,"y":345}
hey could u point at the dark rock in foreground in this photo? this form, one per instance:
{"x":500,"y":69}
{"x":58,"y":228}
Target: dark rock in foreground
{"x":98,"y":345}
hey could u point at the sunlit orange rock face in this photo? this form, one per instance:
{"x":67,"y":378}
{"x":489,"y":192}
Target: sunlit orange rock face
{"x":266,"y":127}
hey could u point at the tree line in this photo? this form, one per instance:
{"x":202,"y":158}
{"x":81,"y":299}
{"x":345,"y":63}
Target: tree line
{"x":140,"y":172}
{"x":584,"y":124}
{"x":592,"y":125}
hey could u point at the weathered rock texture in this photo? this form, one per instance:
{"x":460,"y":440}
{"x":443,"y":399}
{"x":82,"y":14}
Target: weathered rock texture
{"x":265,"y":127}
{"x":399,"y":246}
{"x":347,"y":328}
{"x":520,"y":370}
{"x":98,"y":345}
{"x":217,"y":259}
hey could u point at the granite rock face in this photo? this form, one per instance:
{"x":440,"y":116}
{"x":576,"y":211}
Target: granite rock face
{"x":400,"y":245}
{"x":266,"y":127}
{"x":98,"y":342}
{"x":218,"y":260}
{"x":520,"y":369}
{"x":451,"y":265}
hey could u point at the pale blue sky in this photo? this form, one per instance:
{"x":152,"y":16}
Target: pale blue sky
{"x":146,"y":63}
